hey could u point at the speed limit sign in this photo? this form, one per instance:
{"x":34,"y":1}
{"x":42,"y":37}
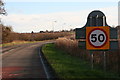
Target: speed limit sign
{"x":97,"y":38}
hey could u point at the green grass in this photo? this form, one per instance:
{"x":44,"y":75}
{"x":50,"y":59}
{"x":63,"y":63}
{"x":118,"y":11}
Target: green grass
{"x":68,"y":67}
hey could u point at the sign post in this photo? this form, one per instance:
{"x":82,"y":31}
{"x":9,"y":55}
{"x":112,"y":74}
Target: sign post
{"x":96,"y":35}
{"x":104,"y":60}
{"x":92,"y":59}
{"x":97,"y":38}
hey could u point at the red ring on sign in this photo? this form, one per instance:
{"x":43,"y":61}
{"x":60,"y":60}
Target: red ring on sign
{"x":100,"y":30}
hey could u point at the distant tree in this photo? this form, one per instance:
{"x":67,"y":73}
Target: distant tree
{"x":32,"y":32}
{"x":46,"y":31}
{"x":41,"y":31}
{"x":71,"y":30}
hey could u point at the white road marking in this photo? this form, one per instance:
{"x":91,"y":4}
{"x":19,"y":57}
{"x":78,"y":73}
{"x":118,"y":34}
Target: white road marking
{"x":48,"y":77}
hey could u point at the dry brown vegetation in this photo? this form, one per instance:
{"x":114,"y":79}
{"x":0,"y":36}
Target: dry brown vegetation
{"x":39,"y":36}
{"x":9,"y":36}
{"x":5,"y":32}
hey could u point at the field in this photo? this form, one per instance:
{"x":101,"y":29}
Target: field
{"x":33,"y":37}
{"x":8,"y":35}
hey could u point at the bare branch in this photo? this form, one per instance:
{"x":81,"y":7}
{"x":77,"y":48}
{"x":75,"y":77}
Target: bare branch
{"x":2,"y":9}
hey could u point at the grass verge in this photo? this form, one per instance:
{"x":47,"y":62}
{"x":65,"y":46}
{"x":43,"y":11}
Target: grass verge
{"x":70,"y":67}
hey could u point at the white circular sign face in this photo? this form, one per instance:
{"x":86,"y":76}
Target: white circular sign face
{"x":97,"y":38}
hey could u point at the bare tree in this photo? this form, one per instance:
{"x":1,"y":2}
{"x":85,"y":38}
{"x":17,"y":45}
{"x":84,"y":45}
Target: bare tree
{"x":4,"y":31}
{"x":2,"y":9}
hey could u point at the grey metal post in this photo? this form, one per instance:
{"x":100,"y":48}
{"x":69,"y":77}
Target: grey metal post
{"x":104,"y":51}
{"x":103,"y":20}
{"x":92,"y":60}
{"x":118,"y":31}
{"x":97,"y":20}
{"x":118,"y":37}
{"x":91,"y":53}
{"x":119,"y":13}
{"x":90,"y":21}
{"x":104,"y":61}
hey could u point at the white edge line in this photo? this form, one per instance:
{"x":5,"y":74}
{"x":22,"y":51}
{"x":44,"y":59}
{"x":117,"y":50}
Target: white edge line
{"x":43,"y":65}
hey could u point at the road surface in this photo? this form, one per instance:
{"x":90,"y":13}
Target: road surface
{"x":23,"y":61}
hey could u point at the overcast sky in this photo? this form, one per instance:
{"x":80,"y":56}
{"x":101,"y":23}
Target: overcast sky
{"x":27,"y":16}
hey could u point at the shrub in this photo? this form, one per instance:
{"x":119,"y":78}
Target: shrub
{"x":6,"y":33}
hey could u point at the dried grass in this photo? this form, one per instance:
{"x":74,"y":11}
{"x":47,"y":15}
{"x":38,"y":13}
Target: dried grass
{"x":33,"y":37}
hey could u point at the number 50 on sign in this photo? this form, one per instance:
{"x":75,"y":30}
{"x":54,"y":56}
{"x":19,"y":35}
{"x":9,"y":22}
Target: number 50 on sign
{"x":97,"y":38}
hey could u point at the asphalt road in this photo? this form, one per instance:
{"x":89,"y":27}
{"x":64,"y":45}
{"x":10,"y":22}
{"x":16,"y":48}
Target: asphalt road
{"x":23,"y":61}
